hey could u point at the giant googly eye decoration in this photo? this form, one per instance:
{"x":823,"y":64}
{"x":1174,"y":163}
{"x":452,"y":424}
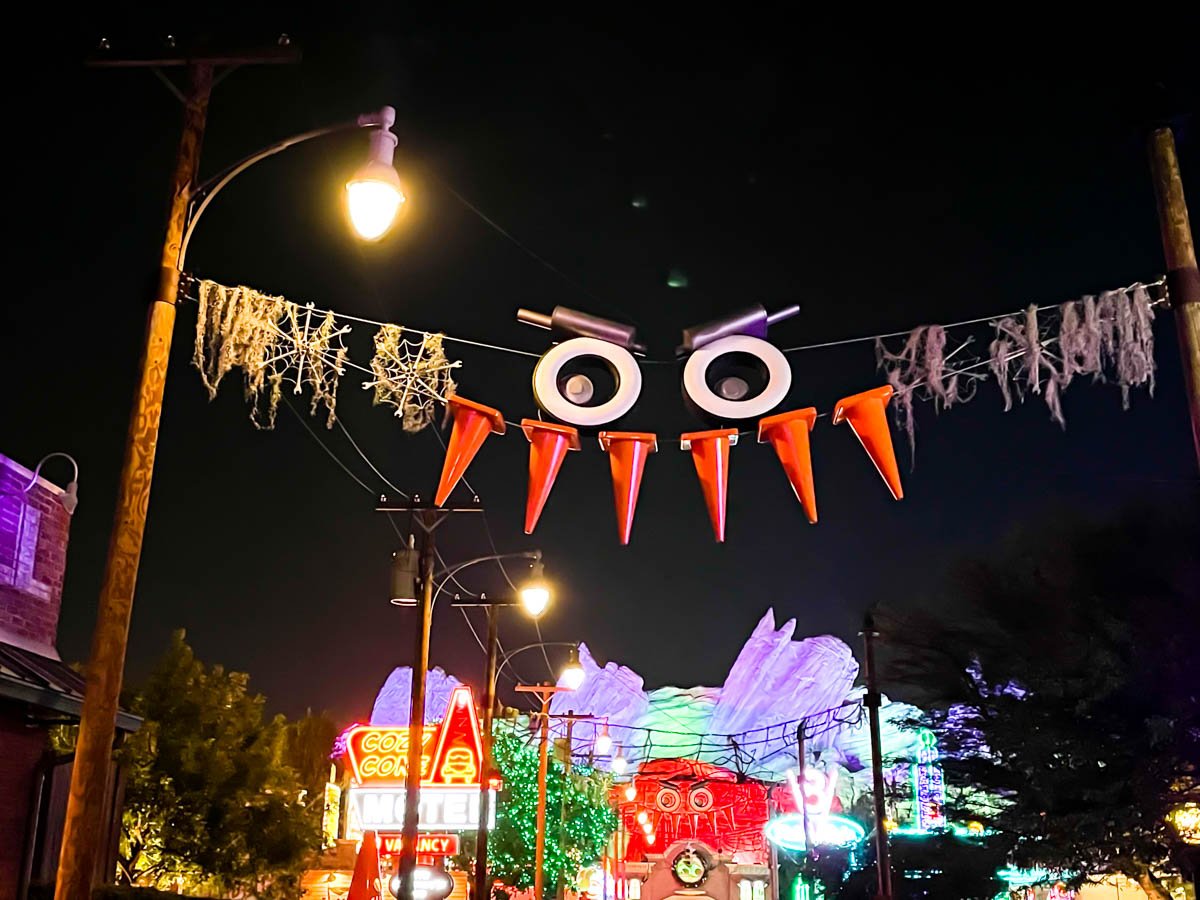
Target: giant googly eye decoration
{"x":701,"y":800}
{"x":733,"y":372}
{"x":668,"y":799}
{"x":592,"y":378}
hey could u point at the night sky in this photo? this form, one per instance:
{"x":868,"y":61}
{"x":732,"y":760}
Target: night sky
{"x":879,"y":185}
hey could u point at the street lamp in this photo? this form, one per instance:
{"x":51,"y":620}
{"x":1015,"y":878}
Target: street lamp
{"x":373,"y":195}
{"x":188,"y":201}
{"x":534,"y":593}
{"x":572,"y":675}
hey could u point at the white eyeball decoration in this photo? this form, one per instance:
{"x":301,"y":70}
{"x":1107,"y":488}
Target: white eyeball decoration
{"x":736,"y":337}
{"x":568,"y":397}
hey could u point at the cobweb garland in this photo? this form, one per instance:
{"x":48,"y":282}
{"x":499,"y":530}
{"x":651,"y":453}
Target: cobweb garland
{"x":412,"y":376}
{"x":274,"y":342}
{"x":1040,"y":351}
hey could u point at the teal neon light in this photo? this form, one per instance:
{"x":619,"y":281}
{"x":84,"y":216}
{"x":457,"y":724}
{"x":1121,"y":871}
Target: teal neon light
{"x":828,"y":830}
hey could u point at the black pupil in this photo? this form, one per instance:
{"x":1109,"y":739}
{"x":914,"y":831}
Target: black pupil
{"x":746,"y":366}
{"x":598,"y":371}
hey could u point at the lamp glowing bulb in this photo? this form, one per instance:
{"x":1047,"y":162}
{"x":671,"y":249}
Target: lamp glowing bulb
{"x":631,"y":793}
{"x":642,"y":817}
{"x":535,"y":596}
{"x":647,"y":828}
{"x":650,"y":838}
{"x":618,"y":763}
{"x":572,"y":675}
{"x":603,"y":741}
{"x":373,"y":194}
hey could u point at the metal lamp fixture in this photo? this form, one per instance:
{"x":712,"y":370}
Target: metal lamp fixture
{"x":373,"y":194}
{"x":535,"y":595}
{"x":603,"y":744}
{"x":70,"y":499}
{"x":572,"y":675}
{"x":405,"y":573}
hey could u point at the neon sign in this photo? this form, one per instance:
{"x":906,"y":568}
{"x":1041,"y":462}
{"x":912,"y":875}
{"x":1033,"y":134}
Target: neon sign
{"x":440,"y":809}
{"x":929,"y":786}
{"x":427,"y":844}
{"x":451,"y":752}
{"x":828,"y":830}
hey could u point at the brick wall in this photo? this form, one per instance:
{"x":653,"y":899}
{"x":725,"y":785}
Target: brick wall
{"x":34,"y":529}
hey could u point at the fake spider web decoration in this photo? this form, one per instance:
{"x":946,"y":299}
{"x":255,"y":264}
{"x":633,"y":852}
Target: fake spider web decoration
{"x":412,"y":376}
{"x":274,"y":342}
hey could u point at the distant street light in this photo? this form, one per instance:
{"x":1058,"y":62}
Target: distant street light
{"x":572,"y":675}
{"x":373,"y":195}
{"x":534,"y":593}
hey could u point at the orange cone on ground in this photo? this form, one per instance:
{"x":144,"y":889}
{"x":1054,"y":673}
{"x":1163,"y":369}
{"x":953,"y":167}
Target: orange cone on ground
{"x":473,"y":422}
{"x":627,"y":452}
{"x":365,"y":884}
{"x":866,"y":415}
{"x":788,"y":434}
{"x":548,"y":446}
{"x":710,"y":453}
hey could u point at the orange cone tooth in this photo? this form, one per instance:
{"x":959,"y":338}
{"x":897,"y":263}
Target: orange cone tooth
{"x":788,"y":434}
{"x":710,"y":453}
{"x":627,"y":452}
{"x":473,"y":422}
{"x":548,"y":446}
{"x":866,"y":415}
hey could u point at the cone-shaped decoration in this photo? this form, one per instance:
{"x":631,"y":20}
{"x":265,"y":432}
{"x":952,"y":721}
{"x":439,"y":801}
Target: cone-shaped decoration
{"x":548,"y":446}
{"x":473,"y":422}
{"x":365,"y":884}
{"x":627,"y":452}
{"x":788,"y":434}
{"x":710,"y":453}
{"x":866,"y":415}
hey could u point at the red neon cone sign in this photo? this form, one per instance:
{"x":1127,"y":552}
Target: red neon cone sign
{"x":548,"y":446}
{"x":788,"y":434}
{"x":710,"y":453}
{"x":473,"y":422}
{"x":627,"y":452}
{"x":365,"y":883}
{"x":867,"y":417}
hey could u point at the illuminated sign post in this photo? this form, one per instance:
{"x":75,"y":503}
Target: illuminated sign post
{"x":451,"y":763}
{"x":929,"y":786}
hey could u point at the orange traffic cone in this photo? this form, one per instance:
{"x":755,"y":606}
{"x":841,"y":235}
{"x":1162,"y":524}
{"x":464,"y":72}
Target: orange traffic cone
{"x":788,"y":434}
{"x":473,"y":422}
{"x":627,"y":452}
{"x":710,"y":453}
{"x":365,"y":883}
{"x":865,"y":413}
{"x":548,"y":446}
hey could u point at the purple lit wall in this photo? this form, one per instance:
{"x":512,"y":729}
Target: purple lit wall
{"x":34,"y":529}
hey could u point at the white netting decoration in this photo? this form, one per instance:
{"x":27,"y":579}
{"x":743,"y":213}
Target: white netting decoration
{"x":412,"y":376}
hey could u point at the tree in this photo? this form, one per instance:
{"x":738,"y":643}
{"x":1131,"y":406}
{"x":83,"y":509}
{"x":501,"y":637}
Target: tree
{"x":588,"y":818}
{"x":210,"y":801}
{"x":1065,"y":691}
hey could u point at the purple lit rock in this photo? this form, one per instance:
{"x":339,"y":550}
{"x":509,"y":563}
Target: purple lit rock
{"x":394,"y":700}
{"x":775,"y":678}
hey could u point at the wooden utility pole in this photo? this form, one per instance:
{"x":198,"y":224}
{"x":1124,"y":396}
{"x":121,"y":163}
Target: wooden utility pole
{"x":545,"y":693}
{"x":1183,"y":280}
{"x":872,"y":702}
{"x":83,"y":828}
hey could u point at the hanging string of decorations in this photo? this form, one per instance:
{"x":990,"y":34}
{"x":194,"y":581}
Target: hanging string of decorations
{"x":590,"y":379}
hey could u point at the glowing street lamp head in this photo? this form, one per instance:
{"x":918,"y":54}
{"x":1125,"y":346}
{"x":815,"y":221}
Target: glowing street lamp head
{"x":618,"y":763}
{"x":535,"y":596}
{"x":373,"y":193}
{"x":603,"y":744}
{"x":572,"y":675}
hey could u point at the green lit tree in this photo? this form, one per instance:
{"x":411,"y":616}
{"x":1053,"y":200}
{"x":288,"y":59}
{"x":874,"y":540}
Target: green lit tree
{"x":574,"y":839}
{"x":211,"y":801}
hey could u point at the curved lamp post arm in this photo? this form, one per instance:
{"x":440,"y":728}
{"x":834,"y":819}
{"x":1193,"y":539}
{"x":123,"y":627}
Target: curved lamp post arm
{"x":204,"y":192}
{"x":508,"y":656}
{"x":450,"y":571}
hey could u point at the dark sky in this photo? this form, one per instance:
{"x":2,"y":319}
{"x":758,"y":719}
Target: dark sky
{"x":880,"y":184}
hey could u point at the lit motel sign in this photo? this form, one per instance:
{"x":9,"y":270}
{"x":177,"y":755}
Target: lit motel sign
{"x":451,"y":766}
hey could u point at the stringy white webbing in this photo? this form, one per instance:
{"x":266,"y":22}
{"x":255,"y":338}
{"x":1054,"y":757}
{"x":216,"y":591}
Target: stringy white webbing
{"x":273,"y":341}
{"x":1109,"y":337}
